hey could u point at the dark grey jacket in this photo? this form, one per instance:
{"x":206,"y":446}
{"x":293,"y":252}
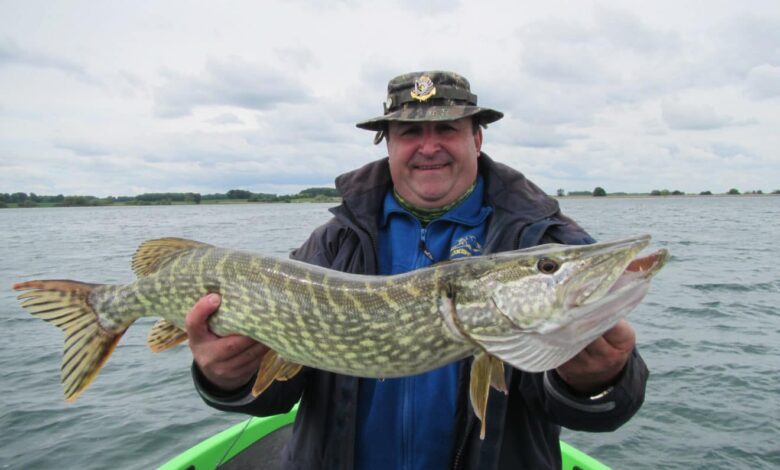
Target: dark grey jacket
{"x":522,"y":428}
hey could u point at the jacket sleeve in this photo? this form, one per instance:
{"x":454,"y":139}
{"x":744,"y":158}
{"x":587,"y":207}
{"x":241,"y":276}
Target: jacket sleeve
{"x":279,"y":397}
{"x":605,"y":411}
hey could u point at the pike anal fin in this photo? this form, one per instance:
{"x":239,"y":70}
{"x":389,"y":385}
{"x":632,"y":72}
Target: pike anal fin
{"x":165,"y":335}
{"x":88,"y":345}
{"x":486,"y":371}
{"x":273,"y":368}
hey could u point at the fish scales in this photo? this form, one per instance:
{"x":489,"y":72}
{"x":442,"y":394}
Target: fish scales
{"x":533,"y":309}
{"x":370,"y":326}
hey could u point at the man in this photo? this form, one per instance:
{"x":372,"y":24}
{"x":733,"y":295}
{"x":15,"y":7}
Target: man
{"x":436,"y":197}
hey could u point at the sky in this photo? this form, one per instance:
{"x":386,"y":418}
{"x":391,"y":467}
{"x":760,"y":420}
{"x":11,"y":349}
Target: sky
{"x":123,"y":98}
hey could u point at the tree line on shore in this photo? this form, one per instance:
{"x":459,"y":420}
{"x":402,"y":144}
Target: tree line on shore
{"x":601,"y":192}
{"x":20,"y":199}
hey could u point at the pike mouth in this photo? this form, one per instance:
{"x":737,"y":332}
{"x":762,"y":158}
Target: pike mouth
{"x":638,"y":269}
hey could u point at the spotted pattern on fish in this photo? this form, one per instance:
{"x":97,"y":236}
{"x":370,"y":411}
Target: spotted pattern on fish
{"x":369,"y":326}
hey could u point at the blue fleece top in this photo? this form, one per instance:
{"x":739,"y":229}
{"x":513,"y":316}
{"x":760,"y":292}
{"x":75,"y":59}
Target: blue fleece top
{"x":408,"y":422}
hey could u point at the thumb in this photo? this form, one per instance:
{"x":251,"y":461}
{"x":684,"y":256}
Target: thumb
{"x":621,"y":336}
{"x":197,"y":318}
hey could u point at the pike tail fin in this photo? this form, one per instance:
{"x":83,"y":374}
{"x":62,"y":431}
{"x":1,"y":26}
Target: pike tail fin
{"x":87,"y":344}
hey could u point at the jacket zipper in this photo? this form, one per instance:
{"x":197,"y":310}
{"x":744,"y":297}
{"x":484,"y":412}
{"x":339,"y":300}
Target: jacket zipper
{"x":462,"y":445}
{"x":423,"y":246}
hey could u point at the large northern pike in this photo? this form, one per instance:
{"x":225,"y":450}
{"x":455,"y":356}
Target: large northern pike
{"x":533,"y":309}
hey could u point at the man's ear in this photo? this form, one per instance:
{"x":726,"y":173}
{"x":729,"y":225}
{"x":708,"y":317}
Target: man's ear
{"x":478,"y":140}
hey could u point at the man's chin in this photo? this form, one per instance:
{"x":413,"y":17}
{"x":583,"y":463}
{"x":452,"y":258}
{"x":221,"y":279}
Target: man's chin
{"x":431,"y":199}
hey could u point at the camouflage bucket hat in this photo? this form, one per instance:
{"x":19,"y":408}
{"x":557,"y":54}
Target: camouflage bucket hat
{"x":429,"y":96}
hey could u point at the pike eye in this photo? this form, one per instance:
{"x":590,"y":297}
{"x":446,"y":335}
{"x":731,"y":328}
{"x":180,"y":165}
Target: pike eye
{"x":547,"y":265}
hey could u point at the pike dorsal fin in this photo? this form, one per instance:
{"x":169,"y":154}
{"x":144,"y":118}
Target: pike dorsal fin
{"x":486,"y":371}
{"x":273,"y":368}
{"x":153,"y":254}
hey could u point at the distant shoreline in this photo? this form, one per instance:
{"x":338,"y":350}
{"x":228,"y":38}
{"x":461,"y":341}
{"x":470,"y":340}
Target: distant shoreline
{"x":221,"y":202}
{"x":655,"y":196}
{"x":234,"y":196}
{"x":337,"y":200}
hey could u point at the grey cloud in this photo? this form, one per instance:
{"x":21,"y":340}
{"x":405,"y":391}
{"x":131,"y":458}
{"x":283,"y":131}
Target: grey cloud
{"x":544,"y":104}
{"x":374,"y":77}
{"x":557,"y":56}
{"x":12,"y":54}
{"x":322,"y":123}
{"x":681,"y":116}
{"x":201,"y":149}
{"x":571,"y":70}
{"x":763,"y":81}
{"x":298,"y":56}
{"x":430,"y":7}
{"x":83,"y":149}
{"x":564,"y":65}
{"x":225,"y":118}
{"x":730,"y":150}
{"x":671,"y":149}
{"x":232,"y":82}
{"x":132,"y":80}
{"x":524,"y":135}
{"x":239,"y":180}
{"x":574,"y":54}
{"x":627,"y":31}
{"x":747,"y":42}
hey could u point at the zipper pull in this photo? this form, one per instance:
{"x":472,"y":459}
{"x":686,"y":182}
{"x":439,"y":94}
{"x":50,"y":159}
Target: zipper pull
{"x":423,"y":247}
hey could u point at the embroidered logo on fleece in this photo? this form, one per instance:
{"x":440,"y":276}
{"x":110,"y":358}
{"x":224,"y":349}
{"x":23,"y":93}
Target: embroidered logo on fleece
{"x":465,"y":246}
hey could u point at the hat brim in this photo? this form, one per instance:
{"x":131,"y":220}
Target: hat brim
{"x":424,"y":113}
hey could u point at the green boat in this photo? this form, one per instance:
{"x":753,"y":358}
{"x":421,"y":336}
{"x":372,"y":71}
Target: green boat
{"x":241,"y":445}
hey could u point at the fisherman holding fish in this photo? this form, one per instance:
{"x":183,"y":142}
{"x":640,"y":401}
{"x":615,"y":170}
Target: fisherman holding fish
{"x":436,"y":197}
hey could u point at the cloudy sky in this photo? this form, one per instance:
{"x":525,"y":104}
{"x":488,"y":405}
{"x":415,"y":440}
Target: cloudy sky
{"x":121,"y":98}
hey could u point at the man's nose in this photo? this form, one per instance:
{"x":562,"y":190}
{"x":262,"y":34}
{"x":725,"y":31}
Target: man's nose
{"x":430,"y":142}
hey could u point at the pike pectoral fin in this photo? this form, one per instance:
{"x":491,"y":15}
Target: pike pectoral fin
{"x":486,"y":371}
{"x":273,"y":368}
{"x":165,"y":335}
{"x":497,"y":379}
{"x":151,"y":255}
{"x":87,"y":344}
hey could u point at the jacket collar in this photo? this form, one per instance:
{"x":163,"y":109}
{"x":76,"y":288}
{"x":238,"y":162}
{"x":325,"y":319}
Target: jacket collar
{"x":515,"y":200}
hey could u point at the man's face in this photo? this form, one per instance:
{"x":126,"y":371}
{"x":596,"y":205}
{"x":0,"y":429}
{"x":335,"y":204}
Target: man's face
{"x":433,"y":163}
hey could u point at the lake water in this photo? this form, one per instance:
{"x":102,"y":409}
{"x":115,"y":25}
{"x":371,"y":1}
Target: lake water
{"x":709,"y":331}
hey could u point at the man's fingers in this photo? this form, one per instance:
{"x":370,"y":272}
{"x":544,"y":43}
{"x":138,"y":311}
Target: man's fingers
{"x":226,"y":361}
{"x":600,"y":362}
{"x":195,"y":322}
{"x":621,"y":336}
{"x":598,"y":348}
{"x":249,"y":357}
{"x":239,"y":346}
{"x":236,"y":370}
{"x":225,"y":352}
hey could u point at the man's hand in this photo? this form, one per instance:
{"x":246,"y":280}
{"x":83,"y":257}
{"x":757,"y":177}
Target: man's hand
{"x":227,"y":362}
{"x":597,"y":366}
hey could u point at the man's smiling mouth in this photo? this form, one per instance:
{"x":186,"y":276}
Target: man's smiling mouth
{"x":431,"y":166}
